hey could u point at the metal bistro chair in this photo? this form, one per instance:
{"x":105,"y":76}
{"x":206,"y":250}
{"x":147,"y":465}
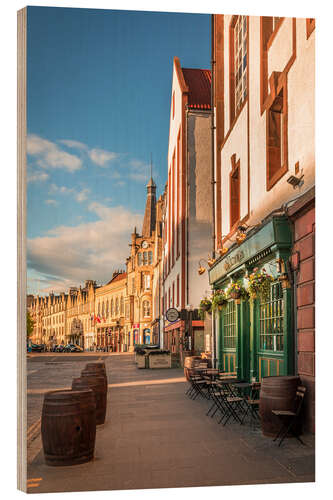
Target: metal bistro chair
{"x":231,"y":404}
{"x":289,"y":418}
{"x":252,"y":402}
{"x":198,"y":385}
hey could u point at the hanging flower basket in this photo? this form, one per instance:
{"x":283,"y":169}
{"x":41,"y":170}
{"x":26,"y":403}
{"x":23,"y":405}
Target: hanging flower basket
{"x":260,"y":284}
{"x":205,"y":306}
{"x":219,"y":300}
{"x":236,"y":291}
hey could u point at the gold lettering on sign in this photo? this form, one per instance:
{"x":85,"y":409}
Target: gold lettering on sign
{"x":235,"y":259}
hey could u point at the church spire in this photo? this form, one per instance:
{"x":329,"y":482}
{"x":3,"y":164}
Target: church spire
{"x":150,"y":213}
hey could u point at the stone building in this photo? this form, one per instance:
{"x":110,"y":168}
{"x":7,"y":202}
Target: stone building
{"x":140,"y":268}
{"x":109,"y":316}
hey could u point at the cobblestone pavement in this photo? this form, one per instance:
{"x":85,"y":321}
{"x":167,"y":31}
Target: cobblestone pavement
{"x":156,"y":437}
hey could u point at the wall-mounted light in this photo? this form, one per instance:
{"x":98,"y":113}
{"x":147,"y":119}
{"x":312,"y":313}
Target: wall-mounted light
{"x":295,"y":181}
{"x":221,"y":249}
{"x":209,"y":262}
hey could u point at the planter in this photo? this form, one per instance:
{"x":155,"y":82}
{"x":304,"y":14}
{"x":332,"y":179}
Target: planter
{"x":235,"y":294}
{"x":141,"y":360}
{"x":159,"y":360}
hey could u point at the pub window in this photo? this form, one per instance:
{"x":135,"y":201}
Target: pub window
{"x":271,"y":320}
{"x":238,"y":64}
{"x":229,"y":325}
{"x":234,"y":195}
{"x":276,"y":140}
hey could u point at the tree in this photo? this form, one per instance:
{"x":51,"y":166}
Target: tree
{"x":30,"y":325}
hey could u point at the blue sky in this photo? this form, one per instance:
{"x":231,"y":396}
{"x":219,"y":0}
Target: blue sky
{"x":99,"y":90}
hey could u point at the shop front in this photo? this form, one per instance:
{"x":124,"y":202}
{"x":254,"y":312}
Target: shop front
{"x":254,"y":332}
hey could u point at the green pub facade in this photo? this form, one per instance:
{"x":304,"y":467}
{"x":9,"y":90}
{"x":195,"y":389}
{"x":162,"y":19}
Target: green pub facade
{"x":254,"y":337}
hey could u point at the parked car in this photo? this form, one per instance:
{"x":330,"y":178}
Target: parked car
{"x":58,"y":348}
{"x":37,"y":347}
{"x":72,"y":348}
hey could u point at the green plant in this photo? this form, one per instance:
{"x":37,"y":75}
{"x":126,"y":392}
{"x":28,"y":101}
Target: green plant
{"x":205,"y":306}
{"x":236,"y":291}
{"x":219,"y":299}
{"x":260,"y":284}
{"x":30,"y":325}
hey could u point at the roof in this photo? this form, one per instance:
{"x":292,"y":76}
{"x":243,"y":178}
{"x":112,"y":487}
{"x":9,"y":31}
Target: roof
{"x":118,"y":277}
{"x":199,"y":84}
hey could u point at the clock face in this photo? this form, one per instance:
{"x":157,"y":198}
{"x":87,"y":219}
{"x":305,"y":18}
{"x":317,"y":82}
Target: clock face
{"x":144,"y":244}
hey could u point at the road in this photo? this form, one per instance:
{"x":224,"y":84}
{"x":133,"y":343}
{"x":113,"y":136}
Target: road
{"x":156,"y":437}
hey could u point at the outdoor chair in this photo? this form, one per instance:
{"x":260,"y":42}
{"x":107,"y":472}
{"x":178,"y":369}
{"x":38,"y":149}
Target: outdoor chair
{"x":229,"y":404}
{"x":252,"y":402}
{"x":198,"y":385}
{"x":290,"y":418}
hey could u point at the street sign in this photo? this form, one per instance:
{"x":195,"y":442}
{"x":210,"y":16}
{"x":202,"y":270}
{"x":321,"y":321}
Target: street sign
{"x":172,"y":315}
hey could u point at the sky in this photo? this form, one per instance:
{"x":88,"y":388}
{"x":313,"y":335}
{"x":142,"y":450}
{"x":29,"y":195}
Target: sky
{"x":98,"y":105}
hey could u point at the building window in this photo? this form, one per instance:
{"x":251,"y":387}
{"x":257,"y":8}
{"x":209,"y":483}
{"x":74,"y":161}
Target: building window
{"x":145,"y":258}
{"x":121,"y":306}
{"x":276,"y":140}
{"x":238,"y":64}
{"x":139,"y":259}
{"x":234,"y":192}
{"x":150,"y":258}
{"x":107,"y":308}
{"x":103,"y":310}
{"x":127,"y":310}
{"x":146,"y":279}
{"x":146,"y":308}
{"x":117,"y":307}
{"x":271,"y":320}
{"x":112,"y":308}
{"x":133,"y":286}
{"x":177,"y":290}
{"x":310,"y":26}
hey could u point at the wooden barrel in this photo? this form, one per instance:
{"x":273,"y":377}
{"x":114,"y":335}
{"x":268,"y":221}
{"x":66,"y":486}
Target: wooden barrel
{"x":190,"y":362}
{"x":96,"y":367}
{"x":98,"y":386}
{"x":68,"y":427}
{"x":276,"y":393}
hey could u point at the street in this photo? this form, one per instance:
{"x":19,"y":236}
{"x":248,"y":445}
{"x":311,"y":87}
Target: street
{"x":155,"y":436}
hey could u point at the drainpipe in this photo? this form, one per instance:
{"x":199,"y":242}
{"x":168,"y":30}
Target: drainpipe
{"x":213,"y":178}
{"x":187,"y":205}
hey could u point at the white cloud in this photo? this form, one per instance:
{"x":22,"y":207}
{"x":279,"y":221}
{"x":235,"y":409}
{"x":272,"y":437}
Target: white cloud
{"x":88,"y":251}
{"x":79,"y":196}
{"x":73,"y":144}
{"x":48,"y":154}
{"x":101,"y":157}
{"x":37,"y":176}
{"x":82,"y":195}
{"x":51,"y":202}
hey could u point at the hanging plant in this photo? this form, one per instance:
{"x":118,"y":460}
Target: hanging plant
{"x":260,"y":284}
{"x":219,"y":300}
{"x":205,"y":306}
{"x":236,"y":291}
